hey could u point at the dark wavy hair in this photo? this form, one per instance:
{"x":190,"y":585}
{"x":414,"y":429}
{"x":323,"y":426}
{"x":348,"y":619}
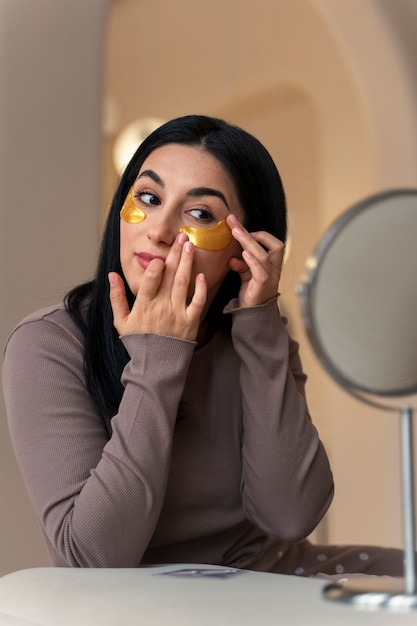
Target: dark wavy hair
{"x":260,"y":192}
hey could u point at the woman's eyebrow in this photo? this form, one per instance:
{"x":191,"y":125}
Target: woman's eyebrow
{"x":153,"y":175}
{"x":198,"y":192}
{"x":195,"y":192}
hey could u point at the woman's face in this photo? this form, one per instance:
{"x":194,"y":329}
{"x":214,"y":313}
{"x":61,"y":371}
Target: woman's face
{"x":179,"y":186}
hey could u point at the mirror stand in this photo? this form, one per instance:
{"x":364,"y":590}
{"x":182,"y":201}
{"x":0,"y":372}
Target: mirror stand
{"x":358,"y":301}
{"x":399,"y":594}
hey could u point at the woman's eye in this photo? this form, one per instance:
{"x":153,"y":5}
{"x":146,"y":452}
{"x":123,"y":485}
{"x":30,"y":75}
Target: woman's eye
{"x":145,"y":197}
{"x":202,"y":215}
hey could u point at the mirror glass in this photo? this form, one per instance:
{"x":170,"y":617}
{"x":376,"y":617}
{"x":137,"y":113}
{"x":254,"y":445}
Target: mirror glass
{"x":359,"y":304}
{"x":359,"y":296}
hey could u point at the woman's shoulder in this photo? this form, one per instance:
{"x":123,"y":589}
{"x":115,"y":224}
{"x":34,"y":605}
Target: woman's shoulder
{"x":51,"y":320}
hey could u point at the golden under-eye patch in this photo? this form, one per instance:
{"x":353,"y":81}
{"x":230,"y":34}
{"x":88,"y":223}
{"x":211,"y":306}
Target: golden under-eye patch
{"x":215,"y":238}
{"x":130,"y":212}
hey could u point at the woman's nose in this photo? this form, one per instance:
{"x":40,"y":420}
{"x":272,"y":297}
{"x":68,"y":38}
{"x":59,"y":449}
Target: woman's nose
{"x":162,"y":228}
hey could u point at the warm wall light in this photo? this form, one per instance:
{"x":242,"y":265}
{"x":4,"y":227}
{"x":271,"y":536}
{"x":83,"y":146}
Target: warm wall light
{"x":130,"y":138}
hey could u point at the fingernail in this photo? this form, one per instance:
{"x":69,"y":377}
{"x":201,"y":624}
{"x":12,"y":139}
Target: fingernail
{"x":188,"y":246}
{"x":112,"y":280}
{"x":182,"y":238}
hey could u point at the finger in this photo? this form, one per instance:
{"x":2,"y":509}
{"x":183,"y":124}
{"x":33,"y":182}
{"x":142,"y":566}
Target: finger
{"x":118,"y":300}
{"x":275,"y":247}
{"x":239,"y":266}
{"x":259,"y":271}
{"x":245,"y":238}
{"x":182,"y":276}
{"x":173,"y":260}
{"x":199,"y":299}
{"x":261,"y":244}
{"x":151,"y":281}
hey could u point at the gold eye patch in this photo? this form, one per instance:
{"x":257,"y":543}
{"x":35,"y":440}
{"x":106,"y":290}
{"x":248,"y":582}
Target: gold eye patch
{"x":215,"y":238}
{"x":130,"y":212}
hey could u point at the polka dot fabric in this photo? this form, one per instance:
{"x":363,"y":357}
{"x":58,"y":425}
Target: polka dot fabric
{"x":328,"y":561}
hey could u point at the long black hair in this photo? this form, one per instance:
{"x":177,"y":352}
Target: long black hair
{"x":260,"y":193}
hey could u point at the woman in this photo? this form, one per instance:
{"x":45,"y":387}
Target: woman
{"x":159,"y":415}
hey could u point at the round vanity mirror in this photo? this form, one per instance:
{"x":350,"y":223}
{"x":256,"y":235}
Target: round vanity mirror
{"x":359,"y":305}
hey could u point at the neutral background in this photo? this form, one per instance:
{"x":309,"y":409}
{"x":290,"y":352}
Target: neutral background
{"x":328,"y":85}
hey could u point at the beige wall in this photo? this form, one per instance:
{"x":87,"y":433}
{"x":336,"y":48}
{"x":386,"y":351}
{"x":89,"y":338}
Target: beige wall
{"x":50,"y":86}
{"x":327,"y":85}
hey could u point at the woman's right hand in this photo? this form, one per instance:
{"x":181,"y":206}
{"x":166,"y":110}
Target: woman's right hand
{"x":162,"y":304}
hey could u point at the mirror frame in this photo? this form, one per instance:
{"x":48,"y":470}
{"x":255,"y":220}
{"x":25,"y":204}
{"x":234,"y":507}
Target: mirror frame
{"x":307,"y":291}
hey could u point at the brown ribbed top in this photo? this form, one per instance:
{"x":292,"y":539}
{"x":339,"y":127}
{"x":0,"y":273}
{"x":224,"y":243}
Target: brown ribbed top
{"x":211,"y":450}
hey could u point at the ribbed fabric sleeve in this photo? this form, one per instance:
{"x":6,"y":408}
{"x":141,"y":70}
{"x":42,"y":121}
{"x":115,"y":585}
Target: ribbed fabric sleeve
{"x":92,"y":495}
{"x":211,"y":454}
{"x":286,"y":479}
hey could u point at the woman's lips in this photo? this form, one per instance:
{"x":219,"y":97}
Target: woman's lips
{"x":144,"y":258}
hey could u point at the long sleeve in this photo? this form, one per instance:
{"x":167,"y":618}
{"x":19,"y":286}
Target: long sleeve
{"x":210,"y":449}
{"x":287,"y":484}
{"x":98,"y":494}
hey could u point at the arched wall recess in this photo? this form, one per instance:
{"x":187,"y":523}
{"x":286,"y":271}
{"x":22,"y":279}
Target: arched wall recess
{"x":385,"y":94}
{"x":310,"y":63}
{"x":384,"y":84}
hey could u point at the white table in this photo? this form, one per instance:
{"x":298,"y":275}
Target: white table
{"x":156,"y":596}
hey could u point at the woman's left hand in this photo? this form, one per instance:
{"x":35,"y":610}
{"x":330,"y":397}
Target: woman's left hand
{"x":260,"y":266}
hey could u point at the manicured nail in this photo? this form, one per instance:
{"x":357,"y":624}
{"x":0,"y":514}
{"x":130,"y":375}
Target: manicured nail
{"x":233,"y":219}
